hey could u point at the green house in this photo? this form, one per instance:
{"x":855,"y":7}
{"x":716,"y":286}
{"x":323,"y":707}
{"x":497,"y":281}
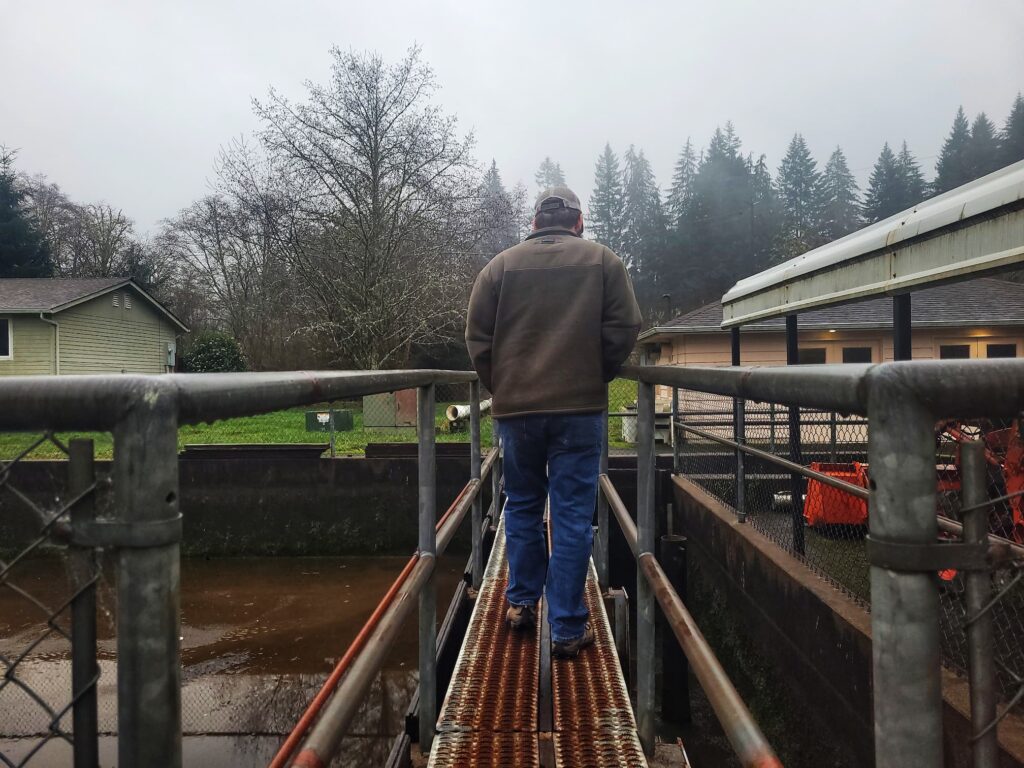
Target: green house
{"x":84,"y":325}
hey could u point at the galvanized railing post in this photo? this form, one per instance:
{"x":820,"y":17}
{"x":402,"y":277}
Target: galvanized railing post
{"x":832,"y":436}
{"x":474,"y":474}
{"x":645,"y":544}
{"x":739,"y":435}
{"x":674,"y":431}
{"x":427,"y":548}
{"x":904,"y":604}
{"x":601,"y":537}
{"x":145,"y":475}
{"x":84,"y":669}
{"x":981,"y":666}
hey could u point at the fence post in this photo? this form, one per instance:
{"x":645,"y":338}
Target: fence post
{"x":796,"y":482}
{"x":674,"y":432}
{"x":148,"y":580}
{"x":427,"y":548}
{"x":601,"y":539}
{"x":84,"y":669}
{"x":474,"y":474}
{"x":645,"y":544}
{"x":739,"y":413}
{"x":904,"y":604}
{"x":832,"y":436}
{"x":981,"y":669}
{"x":675,"y":685}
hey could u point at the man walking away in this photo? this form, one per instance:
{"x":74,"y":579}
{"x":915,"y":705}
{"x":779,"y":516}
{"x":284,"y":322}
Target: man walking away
{"x":551,"y":320}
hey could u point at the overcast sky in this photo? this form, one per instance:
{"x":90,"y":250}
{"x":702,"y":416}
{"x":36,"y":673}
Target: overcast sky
{"x":129,"y":102}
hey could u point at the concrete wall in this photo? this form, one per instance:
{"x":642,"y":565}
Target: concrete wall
{"x":273,"y":506}
{"x":814,"y":643}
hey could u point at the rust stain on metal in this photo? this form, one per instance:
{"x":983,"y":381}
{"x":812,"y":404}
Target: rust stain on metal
{"x":594,"y":725}
{"x":511,"y":749}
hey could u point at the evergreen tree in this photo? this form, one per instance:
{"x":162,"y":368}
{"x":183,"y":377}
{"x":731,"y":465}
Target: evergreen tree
{"x":799,"y":195}
{"x":1011,"y":139}
{"x":643,"y":247}
{"x":884,"y":196}
{"x":840,"y":199}
{"x":912,"y":185}
{"x":501,"y":214}
{"x":952,"y":168}
{"x":605,"y":216}
{"x":549,"y":175}
{"x":766,"y":223}
{"x":23,"y":252}
{"x":682,"y":185}
{"x":983,"y":148}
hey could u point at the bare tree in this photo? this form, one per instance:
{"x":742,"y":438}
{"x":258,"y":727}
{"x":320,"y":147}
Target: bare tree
{"x":376,"y":206}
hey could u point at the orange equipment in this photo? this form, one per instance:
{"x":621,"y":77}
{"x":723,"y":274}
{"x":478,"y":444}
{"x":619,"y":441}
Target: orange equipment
{"x":826,"y":505}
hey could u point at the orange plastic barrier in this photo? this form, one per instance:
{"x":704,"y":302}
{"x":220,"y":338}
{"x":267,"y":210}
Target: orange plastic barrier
{"x":826,"y":505}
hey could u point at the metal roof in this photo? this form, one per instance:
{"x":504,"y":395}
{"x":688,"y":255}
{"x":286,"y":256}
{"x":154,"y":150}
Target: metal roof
{"x":979,"y":302}
{"x":971,"y":230}
{"x":33,"y":295}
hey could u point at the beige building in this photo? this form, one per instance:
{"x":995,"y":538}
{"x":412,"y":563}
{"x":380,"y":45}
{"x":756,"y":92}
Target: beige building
{"x":83,"y":325}
{"x":983,"y":318}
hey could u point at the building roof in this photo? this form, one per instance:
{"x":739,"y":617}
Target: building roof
{"x":32,"y":295}
{"x":985,"y":301}
{"x":966,"y":232}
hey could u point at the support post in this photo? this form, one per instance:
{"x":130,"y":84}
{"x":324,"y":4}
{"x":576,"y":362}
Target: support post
{"x":675,"y":686}
{"x":601,"y":538}
{"x":645,"y":544}
{"x":796,"y":482}
{"x":674,"y":431}
{"x":833,"y":429}
{"x":901,"y":327}
{"x":981,"y":668}
{"x":84,"y":669}
{"x":739,"y":412}
{"x":904,"y":604}
{"x":145,"y":475}
{"x":477,"y":513}
{"x":427,"y":548}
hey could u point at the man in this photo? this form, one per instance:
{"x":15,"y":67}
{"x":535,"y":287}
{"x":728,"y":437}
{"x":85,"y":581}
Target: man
{"x":551,"y":320}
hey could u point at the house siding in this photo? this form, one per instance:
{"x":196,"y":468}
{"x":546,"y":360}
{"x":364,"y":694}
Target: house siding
{"x":97,"y":337}
{"x":33,"y":347}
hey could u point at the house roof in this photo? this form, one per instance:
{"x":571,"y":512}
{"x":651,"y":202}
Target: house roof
{"x":22,"y":295}
{"x":985,"y":301}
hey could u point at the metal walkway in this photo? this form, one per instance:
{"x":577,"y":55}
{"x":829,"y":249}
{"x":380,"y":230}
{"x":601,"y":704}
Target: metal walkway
{"x":510,"y":704}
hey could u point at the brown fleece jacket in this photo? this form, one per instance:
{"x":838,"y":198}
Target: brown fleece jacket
{"x":551,"y":320}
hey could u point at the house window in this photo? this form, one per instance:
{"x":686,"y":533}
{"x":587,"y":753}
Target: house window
{"x":1000,"y":350}
{"x":6,"y":340}
{"x":856,"y":354}
{"x":811,"y":356}
{"x":955,"y":352}
{"x":117,"y":300}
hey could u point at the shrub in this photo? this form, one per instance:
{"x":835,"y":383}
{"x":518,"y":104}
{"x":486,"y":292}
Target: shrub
{"x":213,"y":352}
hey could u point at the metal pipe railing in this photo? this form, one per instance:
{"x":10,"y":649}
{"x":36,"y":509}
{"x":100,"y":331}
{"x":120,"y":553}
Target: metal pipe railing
{"x":645,"y":523}
{"x":739,"y":725}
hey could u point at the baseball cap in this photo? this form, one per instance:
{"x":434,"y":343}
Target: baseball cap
{"x":553,"y":198}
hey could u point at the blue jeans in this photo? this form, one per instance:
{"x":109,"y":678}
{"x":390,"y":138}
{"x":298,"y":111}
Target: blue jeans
{"x":560,"y":454}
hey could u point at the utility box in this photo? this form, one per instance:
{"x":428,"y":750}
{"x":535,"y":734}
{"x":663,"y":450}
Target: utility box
{"x":390,"y":410}
{"x":320,"y":421}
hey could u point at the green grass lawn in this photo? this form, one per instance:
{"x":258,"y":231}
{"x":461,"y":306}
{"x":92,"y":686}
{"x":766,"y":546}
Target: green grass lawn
{"x":289,"y":426}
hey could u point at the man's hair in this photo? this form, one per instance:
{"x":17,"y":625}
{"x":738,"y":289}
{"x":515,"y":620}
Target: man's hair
{"x":556,"y":217}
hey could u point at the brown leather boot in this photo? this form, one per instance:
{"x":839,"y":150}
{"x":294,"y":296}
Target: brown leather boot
{"x":571,"y":649}
{"x":521,"y":616}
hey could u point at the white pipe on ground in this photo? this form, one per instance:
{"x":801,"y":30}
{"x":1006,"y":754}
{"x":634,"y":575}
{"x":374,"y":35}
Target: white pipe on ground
{"x":457,"y":413}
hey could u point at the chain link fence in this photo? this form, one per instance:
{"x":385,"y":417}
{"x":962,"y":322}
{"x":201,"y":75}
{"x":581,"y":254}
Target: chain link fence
{"x":822,"y":519}
{"x":47,"y":587}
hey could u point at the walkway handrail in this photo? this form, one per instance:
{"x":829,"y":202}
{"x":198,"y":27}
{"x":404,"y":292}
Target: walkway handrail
{"x":739,"y":725}
{"x":144,"y":413}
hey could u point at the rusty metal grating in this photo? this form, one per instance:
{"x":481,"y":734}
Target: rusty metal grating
{"x":594,"y":725}
{"x":480,"y":749}
{"x":495,"y":683}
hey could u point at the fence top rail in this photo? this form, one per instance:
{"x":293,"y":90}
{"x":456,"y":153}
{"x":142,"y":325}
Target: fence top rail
{"x":99,"y":402}
{"x":962,"y":388}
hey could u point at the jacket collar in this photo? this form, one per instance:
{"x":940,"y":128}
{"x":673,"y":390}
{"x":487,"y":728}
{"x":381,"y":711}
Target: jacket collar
{"x":551,"y":231}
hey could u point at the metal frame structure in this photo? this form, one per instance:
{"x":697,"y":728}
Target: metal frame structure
{"x":144,"y":413}
{"x":903,"y":401}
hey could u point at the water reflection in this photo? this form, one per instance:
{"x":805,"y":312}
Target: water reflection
{"x":259,"y":636}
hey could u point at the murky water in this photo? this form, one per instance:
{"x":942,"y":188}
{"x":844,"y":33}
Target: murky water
{"x":259,"y":636}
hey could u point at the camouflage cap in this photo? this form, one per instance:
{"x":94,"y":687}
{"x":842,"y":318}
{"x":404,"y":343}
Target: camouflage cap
{"x":554,"y":198}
